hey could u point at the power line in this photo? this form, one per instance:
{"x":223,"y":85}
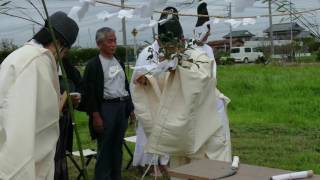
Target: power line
{"x":214,"y":16}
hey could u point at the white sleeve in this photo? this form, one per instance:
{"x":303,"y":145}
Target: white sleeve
{"x":210,"y":54}
{"x":142,"y":60}
{"x":17,"y":122}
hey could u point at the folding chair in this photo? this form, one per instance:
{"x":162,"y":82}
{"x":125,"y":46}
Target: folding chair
{"x":88,"y":155}
{"x":131,"y":139}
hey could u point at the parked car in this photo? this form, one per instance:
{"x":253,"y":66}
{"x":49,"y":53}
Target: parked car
{"x":245,"y":54}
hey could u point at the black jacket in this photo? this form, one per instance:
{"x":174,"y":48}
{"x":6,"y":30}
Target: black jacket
{"x":93,"y":86}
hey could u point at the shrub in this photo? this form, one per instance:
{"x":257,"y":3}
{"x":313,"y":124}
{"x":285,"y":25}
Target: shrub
{"x":262,"y":60}
{"x":82,"y":56}
{"x":230,"y":61}
{"x":318,"y":56}
{"x":4,"y":54}
{"x":226,"y":60}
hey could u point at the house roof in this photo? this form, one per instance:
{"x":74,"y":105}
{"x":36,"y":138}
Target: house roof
{"x":305,"y":34}
{"x":259,"y":39}
{"x":239,"y":34}
{"x":223,"y":42}
{"x":284,"y":27}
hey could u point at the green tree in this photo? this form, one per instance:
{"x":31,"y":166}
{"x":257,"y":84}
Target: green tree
{"x":6,"y":47}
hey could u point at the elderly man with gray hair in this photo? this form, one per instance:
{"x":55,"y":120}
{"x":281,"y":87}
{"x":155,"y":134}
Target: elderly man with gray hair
{"x":108,"y":104}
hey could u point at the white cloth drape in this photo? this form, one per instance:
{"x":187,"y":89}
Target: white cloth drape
{"x":222,"y":102}
{"x":29,"y":114}
{"x":176,"y":109}
{"x":183,"y":114}
{"x":140,"y":157}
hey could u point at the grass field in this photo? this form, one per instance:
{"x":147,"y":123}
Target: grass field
{"x":274,"y":116}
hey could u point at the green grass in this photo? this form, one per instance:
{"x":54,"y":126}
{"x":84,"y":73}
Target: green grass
{"x":274,"y":116}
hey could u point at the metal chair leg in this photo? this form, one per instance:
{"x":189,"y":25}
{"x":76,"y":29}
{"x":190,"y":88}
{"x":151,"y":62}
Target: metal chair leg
{"x":130,"y":154}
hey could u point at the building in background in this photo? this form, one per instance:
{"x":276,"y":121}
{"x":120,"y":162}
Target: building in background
{"x":244,"y":35}
{"x":224,"y":45}
{"x":283,"y":31}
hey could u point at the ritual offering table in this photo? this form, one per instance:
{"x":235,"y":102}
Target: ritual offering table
{"x":211,"y":170}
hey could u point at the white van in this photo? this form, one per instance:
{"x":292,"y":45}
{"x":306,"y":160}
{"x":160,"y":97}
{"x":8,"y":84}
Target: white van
{"x":245,"y":54}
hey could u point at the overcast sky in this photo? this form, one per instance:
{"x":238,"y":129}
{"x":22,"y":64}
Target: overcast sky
{"x":20,"y":31}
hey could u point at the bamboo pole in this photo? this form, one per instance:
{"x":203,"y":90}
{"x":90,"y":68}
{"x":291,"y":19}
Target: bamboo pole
{"x":70,"y":105}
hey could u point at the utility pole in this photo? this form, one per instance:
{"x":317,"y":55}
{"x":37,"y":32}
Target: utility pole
{"x":124,"y":36}
{"x":230,"y":35}
{"x":153,"y":31}
{"x":91,"y":43}
{"x":33,"y":30}
{"x":134,"y":33}
{"x":271,"y":30}
{"x":291,"y":22}
{"x":291,"y":34}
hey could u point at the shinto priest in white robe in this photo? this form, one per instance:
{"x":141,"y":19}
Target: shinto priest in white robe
{"x":141,"y":158}
{"x":29,"y":114}
{"x":178,"y":111}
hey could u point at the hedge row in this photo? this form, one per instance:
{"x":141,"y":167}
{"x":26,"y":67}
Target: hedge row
{"x":81,"y":56}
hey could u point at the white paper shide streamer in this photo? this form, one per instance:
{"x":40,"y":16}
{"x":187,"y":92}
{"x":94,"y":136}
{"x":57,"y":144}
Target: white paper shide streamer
{"x":235,"y":23}
{"x":80,"y":11}
{"x":146,"y":9}
{"x":240,"y":5}
{"x":153,"y":23}
{"x":125,"y":13}
{"x":105,"y":15}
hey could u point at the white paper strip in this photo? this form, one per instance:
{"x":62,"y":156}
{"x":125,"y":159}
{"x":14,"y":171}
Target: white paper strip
{"x":153,"y":23}
{"x":142,"y":27}
{"x":80,"y":11}
{"x":240,"y":5}
{"x":216,"y":21}
{"x":234,"y":23}
{"x":125,"y":13}
{"x":248,"y":21}
{"x":156,"y":69}
{"x":163,"y":21}
{"x":144,"y":11}
{"x":105,"y":15}
{"x":74,"y":12}
{"x":295,"y":175}
{"x":91,"y":2}
{"x":157,"y":3}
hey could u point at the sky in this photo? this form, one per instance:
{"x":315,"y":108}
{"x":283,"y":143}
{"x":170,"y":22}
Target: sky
{"x":20,"y":31}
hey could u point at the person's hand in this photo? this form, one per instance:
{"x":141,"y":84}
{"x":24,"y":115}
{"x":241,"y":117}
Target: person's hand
{"x":97,"y":123}
{"x":162,"y":58}
{"x":141,"y":80}
{"x":75,"y":98}
{"x":172,"y":70}
{"x":132,"y":118}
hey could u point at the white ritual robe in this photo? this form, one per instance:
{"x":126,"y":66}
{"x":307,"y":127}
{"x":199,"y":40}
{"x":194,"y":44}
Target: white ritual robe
{"x":141,"y":158}
{"x":222,"y":103}
{"x":179,"y":112}
{"x":29,"y":114}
